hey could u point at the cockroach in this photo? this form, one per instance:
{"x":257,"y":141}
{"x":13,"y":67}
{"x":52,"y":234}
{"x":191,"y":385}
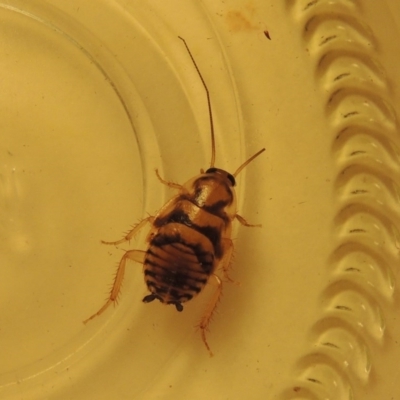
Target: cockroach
{"x":189,"y":242}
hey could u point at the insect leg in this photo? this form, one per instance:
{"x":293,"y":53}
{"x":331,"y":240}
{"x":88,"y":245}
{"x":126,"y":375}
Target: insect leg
{"x":225,"y":262}
{"x":172,"y":185}
{"x":132,"y":232}
{"x":245,"y":223}
{"x":209,"y":311}
{"x":134,"y":255}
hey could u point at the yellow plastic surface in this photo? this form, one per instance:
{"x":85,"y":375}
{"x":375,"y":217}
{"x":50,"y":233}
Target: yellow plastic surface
{"x":96,"y":95}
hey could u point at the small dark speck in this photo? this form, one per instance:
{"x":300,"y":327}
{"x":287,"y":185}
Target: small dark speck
{"x":266,"y":33}
{"x":357,"y":152}
{"x":310,"y":4}
{"x":327,"y":39}
{"x":344,"y":308}
{"x":359,"y":191}
{"x":350,"y":114}
{"x":329,"y":344}
{"x":341,"y":76}
{"x":357,"y":230}
{"x":314,"y":380}
{"x":352,"y":269}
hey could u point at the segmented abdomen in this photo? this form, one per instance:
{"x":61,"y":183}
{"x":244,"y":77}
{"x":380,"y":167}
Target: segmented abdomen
{"x":185,"y":247}
{"x":178,"y":262}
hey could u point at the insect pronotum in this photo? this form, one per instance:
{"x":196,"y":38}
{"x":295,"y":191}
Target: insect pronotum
{"x":189,"y":242}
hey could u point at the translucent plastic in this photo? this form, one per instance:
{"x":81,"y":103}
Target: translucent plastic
{"x":94,"y":98}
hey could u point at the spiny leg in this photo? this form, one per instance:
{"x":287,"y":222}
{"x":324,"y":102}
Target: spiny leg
{"x":134,"y":255}
{"x":225,"y":262}
{"x":132,"y":232}
{"x":245,"y":223}
{"x":210,"y":309}
{"x":172,"y":185}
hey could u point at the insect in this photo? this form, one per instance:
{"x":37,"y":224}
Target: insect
{"x":189,"y":241}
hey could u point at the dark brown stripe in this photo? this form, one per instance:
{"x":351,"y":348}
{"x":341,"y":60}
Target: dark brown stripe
{"x":190,"y":271}
{"x":218,"y":209}
{"x":213,"y":234}
{"x":158,"y":276}
{"x":178,"y":280}
{"x":204,"y":257}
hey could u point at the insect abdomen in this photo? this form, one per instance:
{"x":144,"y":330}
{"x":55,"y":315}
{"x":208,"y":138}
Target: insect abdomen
{"x":178,"y":263}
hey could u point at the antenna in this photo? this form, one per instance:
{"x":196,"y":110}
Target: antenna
{"x":236,"y":173}
{"x":208,"y":101}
